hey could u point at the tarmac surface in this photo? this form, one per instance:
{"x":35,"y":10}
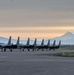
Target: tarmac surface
{"x":35,"y":63}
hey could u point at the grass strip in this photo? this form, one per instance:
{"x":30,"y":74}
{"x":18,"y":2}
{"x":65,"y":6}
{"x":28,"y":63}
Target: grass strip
{"x":65,"y":54}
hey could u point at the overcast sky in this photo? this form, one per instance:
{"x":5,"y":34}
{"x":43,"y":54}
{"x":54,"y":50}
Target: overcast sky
{"x":36,"y":13}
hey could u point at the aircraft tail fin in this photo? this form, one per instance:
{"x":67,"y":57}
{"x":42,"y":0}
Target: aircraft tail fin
{"x":28,"y":41}
{"x":35,"y":42}
{"x":48,"y":42}
{"x":9,"y":41}
{"x":42,"y":44}
{"x":54,"y":42}
{"x":59,"y":43}
{"x":18,"y":41}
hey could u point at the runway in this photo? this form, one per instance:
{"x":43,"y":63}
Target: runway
{"x":35,"y":63}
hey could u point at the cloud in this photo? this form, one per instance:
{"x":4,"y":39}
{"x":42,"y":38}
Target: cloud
{"x":16,"y":18}
{"x":36,"y":13}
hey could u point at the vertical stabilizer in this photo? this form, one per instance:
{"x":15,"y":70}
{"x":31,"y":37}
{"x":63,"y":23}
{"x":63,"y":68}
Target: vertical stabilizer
{"x":54,"y":42}
{"x":59,"y":43}
{"x":48,"y":44}
{"x":9,"y":41}
{"x":35,"y":42}
{"x":28,"y":42}
{"x":42,"y":44}
{"x":18,"y":41}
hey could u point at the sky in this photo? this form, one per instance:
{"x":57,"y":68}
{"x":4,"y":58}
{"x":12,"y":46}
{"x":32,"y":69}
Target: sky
{"x":36,"y":18}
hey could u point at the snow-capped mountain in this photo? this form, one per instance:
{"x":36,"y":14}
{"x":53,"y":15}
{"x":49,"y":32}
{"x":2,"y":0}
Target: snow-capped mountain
{"x":67,"y":38}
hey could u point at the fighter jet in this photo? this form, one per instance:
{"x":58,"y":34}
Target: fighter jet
{"x":40,"y":46}
{"x":5,"y":46}
{"x":10,"y":46}
{"x":54,"y":46}
{"x":34,"y":46}
{"x":17,"y":45}
{"x":28,"y":46}
{"x":48,"y":46}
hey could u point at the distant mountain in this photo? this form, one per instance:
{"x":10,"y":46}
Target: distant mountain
{"x":5,"y":40}
{"x":67,"y":38}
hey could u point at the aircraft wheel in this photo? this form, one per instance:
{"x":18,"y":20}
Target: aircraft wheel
{"x":42,"y":49}
{"x":33,"y":50}
{"x":5,"y":50}
{"x":23,"y":49}
{"x":53,"y":49}
{"x":28,"y":50}
{"x":10,"y":50}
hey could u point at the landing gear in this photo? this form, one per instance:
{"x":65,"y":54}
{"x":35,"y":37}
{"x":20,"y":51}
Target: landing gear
{"x":10,"y":49}
{"x":53,"y":49}
{"x":28,"y":49}
{"x":42,"y":49}
{"x":4,"y":49}
{"x":33,"y":49}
